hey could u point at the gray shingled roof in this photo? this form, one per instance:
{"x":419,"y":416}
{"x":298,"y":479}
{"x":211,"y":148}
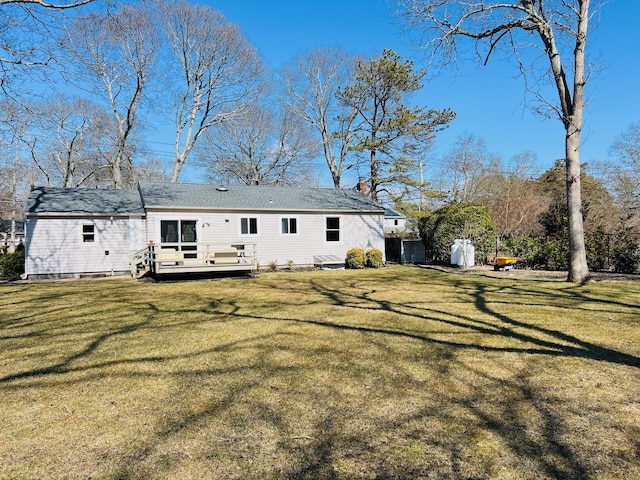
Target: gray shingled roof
{"x":83,"y":201}
{"x":236,"y":197}
{"x":390,"y":212}
{"x":159,"y":195}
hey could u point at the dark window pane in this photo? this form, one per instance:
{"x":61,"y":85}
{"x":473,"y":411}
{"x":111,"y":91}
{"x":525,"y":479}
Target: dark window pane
{"x":293,"y":225}
{"x":249,"y":226}
{"x":333,"y":229}
{"x":333,"y":236}
{"x":188,"y":230}
{"x":333,"y":223}
{"x":88,"y":233}
{"x":169,"y":231}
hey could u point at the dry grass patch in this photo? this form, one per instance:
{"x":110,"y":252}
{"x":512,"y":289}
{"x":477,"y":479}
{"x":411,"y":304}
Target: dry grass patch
{"x":396,"y":373}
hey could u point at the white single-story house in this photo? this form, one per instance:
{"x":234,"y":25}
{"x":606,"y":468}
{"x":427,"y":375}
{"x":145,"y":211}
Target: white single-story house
{"x":72,"y":232}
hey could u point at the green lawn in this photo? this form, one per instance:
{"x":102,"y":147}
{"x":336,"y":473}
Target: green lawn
{"x":397,"y":373}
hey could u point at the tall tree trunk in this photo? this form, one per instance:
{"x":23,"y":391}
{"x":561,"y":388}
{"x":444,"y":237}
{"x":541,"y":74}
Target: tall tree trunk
{"x":374,"y":176}
{"x":177,"y":166}
{"x":578,"y":269}
{"x":572,"y":110}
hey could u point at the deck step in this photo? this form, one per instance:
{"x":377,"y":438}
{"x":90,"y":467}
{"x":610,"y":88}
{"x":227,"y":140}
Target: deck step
{"x":142,"y":271}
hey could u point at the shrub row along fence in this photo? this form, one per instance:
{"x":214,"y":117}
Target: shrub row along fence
{"x":617,"y":252}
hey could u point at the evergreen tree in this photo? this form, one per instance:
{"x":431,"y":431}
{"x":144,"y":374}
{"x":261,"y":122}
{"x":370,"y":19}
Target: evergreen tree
{"x":389,"y":131}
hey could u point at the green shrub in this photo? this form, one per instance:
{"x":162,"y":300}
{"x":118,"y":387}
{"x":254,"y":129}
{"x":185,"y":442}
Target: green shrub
{"x":525,"y":247}
{"x":555,"y":253}
{"x":12,"y":264}
{"x":597,"y":248}
{"x":355,"y":258}
{"x":443,"y":226}
{"x":373,"y":258}
{"x":625,"y":254}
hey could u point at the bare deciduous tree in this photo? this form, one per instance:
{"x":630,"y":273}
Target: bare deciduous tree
{"x":27,"y":38}
{"x":48,"y":5}
{"x":312,"y":82}
{"x":514,"y":199}
{"x":462,"y":167}
{"x":561,"y":30}
{"x":626,"y":148}
{"x":261,"y":147}
{"x":625,"y":171}
{"x":152,"y":170}
{"x":13,"y":187}
{"x":65,"y":141}
{"x":114,"y":54}
{"x":220,"y":72}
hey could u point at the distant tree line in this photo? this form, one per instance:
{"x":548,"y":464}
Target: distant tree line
{"x":512,"y":211}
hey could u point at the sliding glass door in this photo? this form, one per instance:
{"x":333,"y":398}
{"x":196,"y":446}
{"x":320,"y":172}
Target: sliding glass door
{"x":183,"y":234}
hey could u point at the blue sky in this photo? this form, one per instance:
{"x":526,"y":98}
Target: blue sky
{"x":489,"y":101}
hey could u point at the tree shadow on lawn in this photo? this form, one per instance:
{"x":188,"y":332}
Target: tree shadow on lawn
{"x":508,"y":418}
{"x":66,"y":365}
{"x":553,"y":343}
{"x":552,"y":452}
{"x":548,"y":450}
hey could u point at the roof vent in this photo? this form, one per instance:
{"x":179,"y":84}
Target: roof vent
{"x":222,"y":188}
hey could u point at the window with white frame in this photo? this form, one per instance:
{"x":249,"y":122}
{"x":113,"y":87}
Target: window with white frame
{"x":248,"y":226}
{"x":88,"y":233}
{"x":333,"y":229}
{"x":289,"y":226}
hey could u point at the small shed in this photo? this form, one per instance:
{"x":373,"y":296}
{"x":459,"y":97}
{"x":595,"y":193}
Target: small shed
{"x":413,"y":250}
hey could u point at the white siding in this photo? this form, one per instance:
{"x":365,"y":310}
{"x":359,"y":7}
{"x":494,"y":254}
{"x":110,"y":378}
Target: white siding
{"x":395,"y":224}
{"x":55,"y":246}
{"x":356,"y":230}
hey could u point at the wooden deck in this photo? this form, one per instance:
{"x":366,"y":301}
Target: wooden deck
{"x":196,"y":258}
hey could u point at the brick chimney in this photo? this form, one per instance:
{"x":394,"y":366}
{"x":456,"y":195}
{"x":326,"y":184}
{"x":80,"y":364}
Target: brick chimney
{"x":362,"y":186}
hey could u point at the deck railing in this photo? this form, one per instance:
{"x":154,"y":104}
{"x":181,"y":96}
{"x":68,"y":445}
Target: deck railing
{"x":184,"y":258}
{"x":139,"y":260}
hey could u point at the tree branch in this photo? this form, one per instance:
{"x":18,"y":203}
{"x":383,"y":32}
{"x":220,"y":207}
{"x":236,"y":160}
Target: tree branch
{"x":47,"y":5}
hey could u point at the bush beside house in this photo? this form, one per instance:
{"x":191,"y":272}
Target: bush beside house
{"x":12,"y":264}
{"x":355,"y":258}
{"x":358,"y":258}
{"x":373,"y":258}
